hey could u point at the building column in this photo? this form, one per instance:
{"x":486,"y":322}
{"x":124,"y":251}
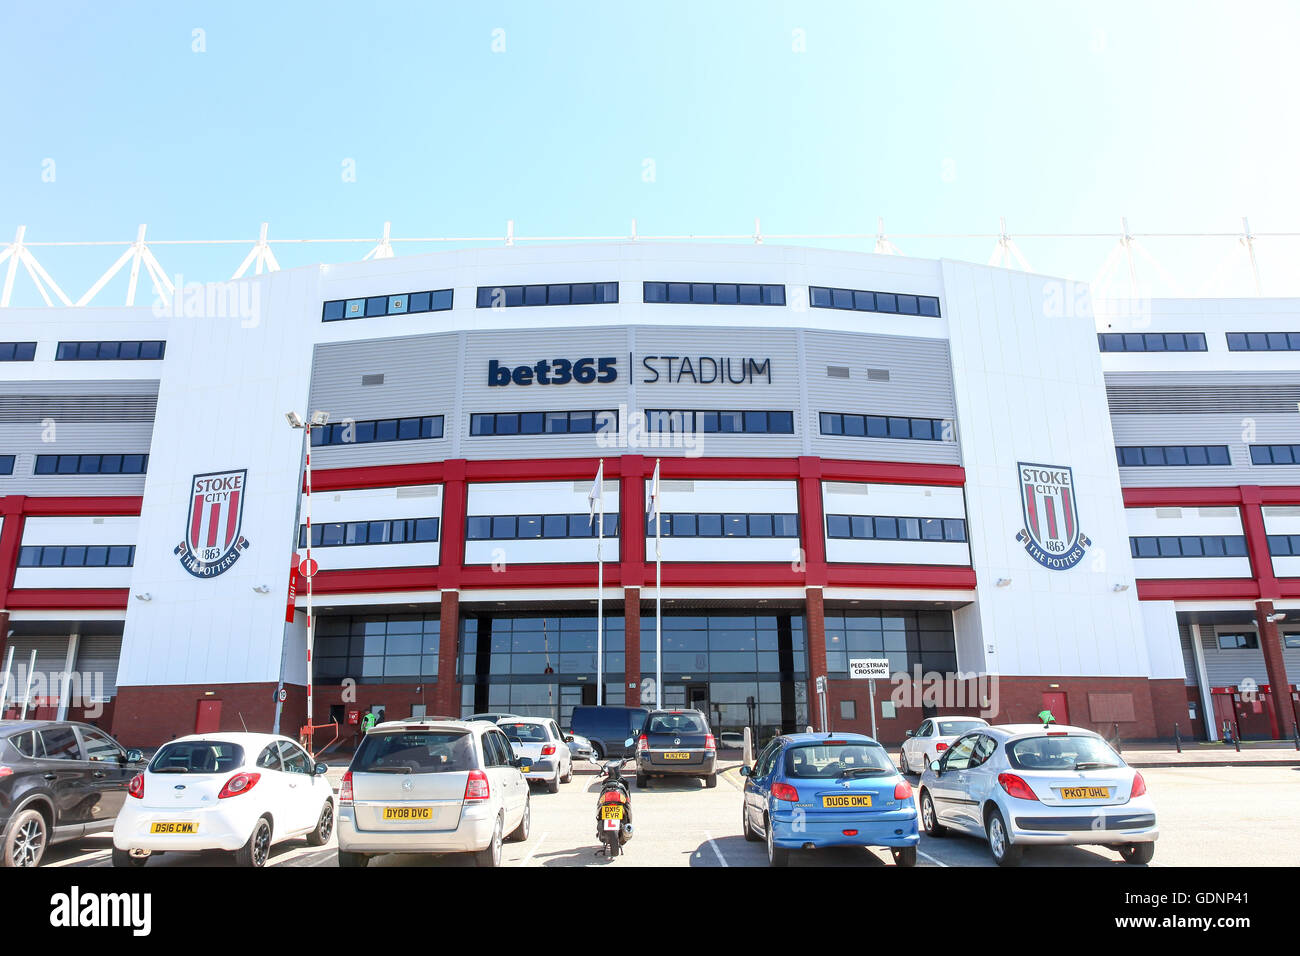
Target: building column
{"x":815,"y":634}
{"x":447,"y":697}
{"x":1270,"y":641}
{"x":74,"y":640}
{"x":632,"y":647}
{"x":1203,"y":685}
{"x":11,"y":538}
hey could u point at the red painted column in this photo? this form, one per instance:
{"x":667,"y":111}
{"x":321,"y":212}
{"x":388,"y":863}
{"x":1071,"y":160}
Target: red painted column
{"x":815,"y":633}
{"x":632,"y":645}
{"x":447,"y":696}
{"x":1261,"y":562}
{"x":1270,"y":641}
{"x":812,"y":523}
{"x":633,"y":471}
{"x":451,"y":560}
{"x":11,"y":537}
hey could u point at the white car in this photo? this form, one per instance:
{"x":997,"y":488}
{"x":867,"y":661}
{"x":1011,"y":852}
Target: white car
{"x":932,"y":738}
{"x":540,"y":739}
{"x":438,"y":786}
{"x":241,"y":792}
{"x":1021,"y":785}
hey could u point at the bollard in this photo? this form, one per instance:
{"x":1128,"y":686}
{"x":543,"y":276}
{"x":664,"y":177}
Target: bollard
{"x":1115,"y":738}
{"x":1236,"y":736}
{"x":1295,"y":733}
{"x":1178,"y":739}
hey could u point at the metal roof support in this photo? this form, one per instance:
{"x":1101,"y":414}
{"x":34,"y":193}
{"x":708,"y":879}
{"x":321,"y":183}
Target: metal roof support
{"x":1248,"y":241}
{"x":260,"y":256}
{"x":384,"y":250}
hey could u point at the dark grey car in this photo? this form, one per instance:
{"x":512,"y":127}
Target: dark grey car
{"x":677,"y":743}
{"x":59,"y":780}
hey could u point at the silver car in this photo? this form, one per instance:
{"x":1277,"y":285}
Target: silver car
{"x":1021,"y":785}
{"x":441,"y":786}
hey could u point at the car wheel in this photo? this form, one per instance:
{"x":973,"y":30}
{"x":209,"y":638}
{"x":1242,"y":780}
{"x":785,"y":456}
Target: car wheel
{"x":776,"y":855}
{"x":1005,"y":853}
{"x":349,"y":860}
{"x":596,"y":754}
{"x":642,"y":781}
{"x":124,"y":858}
{"x":324,"y":826}
{"x":257,"y":850}
{"x":1137,"y":852}
{"x":553,"y":786}
{"x":568,"y":774}
{"x":491,"y":854}
{"x":520,"y":833}
{"x":928,"y":818}
{"x":902,"y":762}
{"x":745,"y":828}
{"x":904,"y":855}
{"x":711,"y":781}
{"x":25,"y":840}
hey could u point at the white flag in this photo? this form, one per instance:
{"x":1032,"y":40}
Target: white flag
{"x":654,"y":494}
{"x":597,"y":494}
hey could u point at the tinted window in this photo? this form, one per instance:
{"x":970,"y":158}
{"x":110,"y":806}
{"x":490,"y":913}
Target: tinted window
{"x":197,"y":756}
{"x":676,"y":724}
{"x":833,"y":759}
{"x":28,"y":743}
{"x":1063,"y":752}
{"x":952,"y":728}
{"x":60,"y":743}
{"x":526,"y":733}
{"x":295,"y":760}
{"x":415,"y":751}
{"x":100,"y":746}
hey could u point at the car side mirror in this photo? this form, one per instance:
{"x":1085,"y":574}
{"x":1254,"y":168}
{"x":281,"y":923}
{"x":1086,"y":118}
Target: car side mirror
{"x":746,"y":771}
{"x":908,"y":733}
{"x":524,"y":764}
{"x":135,"y":756}
{"x":321,"y":769}
{"x":935,"y":766}
{"x":568,"y":738}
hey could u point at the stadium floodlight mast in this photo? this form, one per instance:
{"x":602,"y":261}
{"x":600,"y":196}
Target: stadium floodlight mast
{"x":317,"y":419}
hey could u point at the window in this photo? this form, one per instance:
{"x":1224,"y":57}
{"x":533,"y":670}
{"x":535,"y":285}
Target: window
{"x":688,"y":525}
{"x":756,"y":422}
{"x":895,"y":529}
{"x":17,"y":351}
{"x":109,"y":351}
{"x":1151,"y":341}
{"x":1284,"y":545}
{"x":295,"y":761}
{"x":401,"y":304}
{"x":378,"y":430}
{"x":848,"y":710}
{"x":821,"y":297}
{"x":393,"y":648}
{"x":882,"y":426}
{"x":99,"y":746}
{"x":1291,"y":641}
{"x":76,"y":556}
{"x":1137,"y":455}
{"x":91,"y":464}
{"x":543,"y":423}
{"x":269,"y":758}
{"x":571,"y":293}
{"x":1188,"y":546}
{"x":6,"y":464}
{"x":959,"y":755}
{"x":525,"y":527}
{"x":1239,"y":641}
{"x":1274,"y":454}
{"x":713,"y":293}
{"x":1263,"y":341}
{"x":394,"y":531}
{"x":60,"y":743}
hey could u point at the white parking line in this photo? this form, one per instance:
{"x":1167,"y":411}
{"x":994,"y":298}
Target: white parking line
{"x":540,"y":840}
{"x":716,"y":852}
{"x":81,"y":859}
{"x":931,"y":859}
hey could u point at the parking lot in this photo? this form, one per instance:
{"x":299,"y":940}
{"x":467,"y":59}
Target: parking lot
{"x":1209,"y":817}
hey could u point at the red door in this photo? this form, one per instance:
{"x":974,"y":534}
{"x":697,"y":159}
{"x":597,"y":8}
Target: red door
{"x":1055,"y":701}
{"x":208,"y":720}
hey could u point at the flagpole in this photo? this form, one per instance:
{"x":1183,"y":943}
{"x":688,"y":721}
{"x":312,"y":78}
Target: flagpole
{"x":600,"y":588}
{"x":659,"y":600}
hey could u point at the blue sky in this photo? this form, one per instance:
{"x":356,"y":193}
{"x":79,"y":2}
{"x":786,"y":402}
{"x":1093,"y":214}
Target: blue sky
{"x":938,"y":117}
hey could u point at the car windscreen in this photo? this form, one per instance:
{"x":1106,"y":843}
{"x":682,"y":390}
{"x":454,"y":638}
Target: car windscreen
{"x":525,"y":733}
{"x":197,"y":756}
{"x":425,"y":751}
{"x":1062,"y":752}
{"x":830,"y":760}
{"x":955,"y":728}
{"x":675,"y":724}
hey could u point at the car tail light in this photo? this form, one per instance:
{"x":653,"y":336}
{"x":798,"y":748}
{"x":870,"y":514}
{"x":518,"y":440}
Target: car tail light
{"x":1016,"y":787}
{"x":902,"y":790}
{"x":6,"y":771}
{"x":136,"y":787}
{"x":709,"y":742}
{"x":345,"y":789}
{"x":642,"y":743}
{"x":238,"y":784}
{"x":613,"y":796}
{"x":940,"y":747}
{"x":1139,"y":786}
{"x":548,"y":749}
{"x":850,"y":832}
{"x":476,"y":787}
{"x":783,"y":791}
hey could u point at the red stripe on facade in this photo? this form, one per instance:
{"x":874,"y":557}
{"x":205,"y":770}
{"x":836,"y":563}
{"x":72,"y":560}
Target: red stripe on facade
{"x":1200,"y":589}
{"x":84,"y":599}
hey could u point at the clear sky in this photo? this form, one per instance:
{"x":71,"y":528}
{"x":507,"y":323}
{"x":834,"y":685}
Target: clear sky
{"x":691,"y":117}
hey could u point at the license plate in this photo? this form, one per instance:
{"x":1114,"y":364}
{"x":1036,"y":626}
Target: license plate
{"x":175,"y":829}
{"x":408,"y":813}
{"x":677,"y":755}
{"x":611,"y":813}
{"x":838,"y":801}
{"x":1085,"y":793}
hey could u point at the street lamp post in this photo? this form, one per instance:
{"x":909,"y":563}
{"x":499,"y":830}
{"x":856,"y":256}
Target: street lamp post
{"x":318,"y":419}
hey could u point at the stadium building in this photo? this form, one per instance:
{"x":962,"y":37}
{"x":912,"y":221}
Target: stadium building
{"x":959,"y":469}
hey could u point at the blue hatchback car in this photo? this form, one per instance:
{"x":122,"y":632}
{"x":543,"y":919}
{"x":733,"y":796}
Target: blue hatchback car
{"x":807,"y":791}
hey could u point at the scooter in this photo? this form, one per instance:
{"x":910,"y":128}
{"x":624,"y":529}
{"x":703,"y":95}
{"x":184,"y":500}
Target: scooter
{"x":614,"y":806}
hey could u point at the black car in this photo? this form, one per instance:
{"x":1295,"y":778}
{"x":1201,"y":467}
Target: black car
{"x":607,"y":727}
{"x":59,"y":780}
{"x":676,"y":743}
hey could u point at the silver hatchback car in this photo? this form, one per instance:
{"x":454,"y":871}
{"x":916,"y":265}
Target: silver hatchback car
{"x":435,"y":786}
{"x":1019,"y":785}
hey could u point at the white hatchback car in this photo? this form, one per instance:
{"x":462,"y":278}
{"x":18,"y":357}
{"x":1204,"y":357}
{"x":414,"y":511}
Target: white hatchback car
{"x":932,"y":738}
{"x":1021,"y":785}
{"x":540,"y":739}
{"x":241,"y":792}
{"x":434,"y":786}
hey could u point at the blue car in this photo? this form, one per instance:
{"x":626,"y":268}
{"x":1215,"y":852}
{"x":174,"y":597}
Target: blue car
{"x":807,"y":791}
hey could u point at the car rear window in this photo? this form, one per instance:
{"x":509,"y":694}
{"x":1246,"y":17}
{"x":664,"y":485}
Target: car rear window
{"x":525,"y":733}
{"x":953,"y":728}
{"x":197,"y":756}
{"x":27,"y":743}
{"x":831,"y":760}
{"x":431,"y":751}
{"x":676,"y":724}
{"x":1062,"y":752}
